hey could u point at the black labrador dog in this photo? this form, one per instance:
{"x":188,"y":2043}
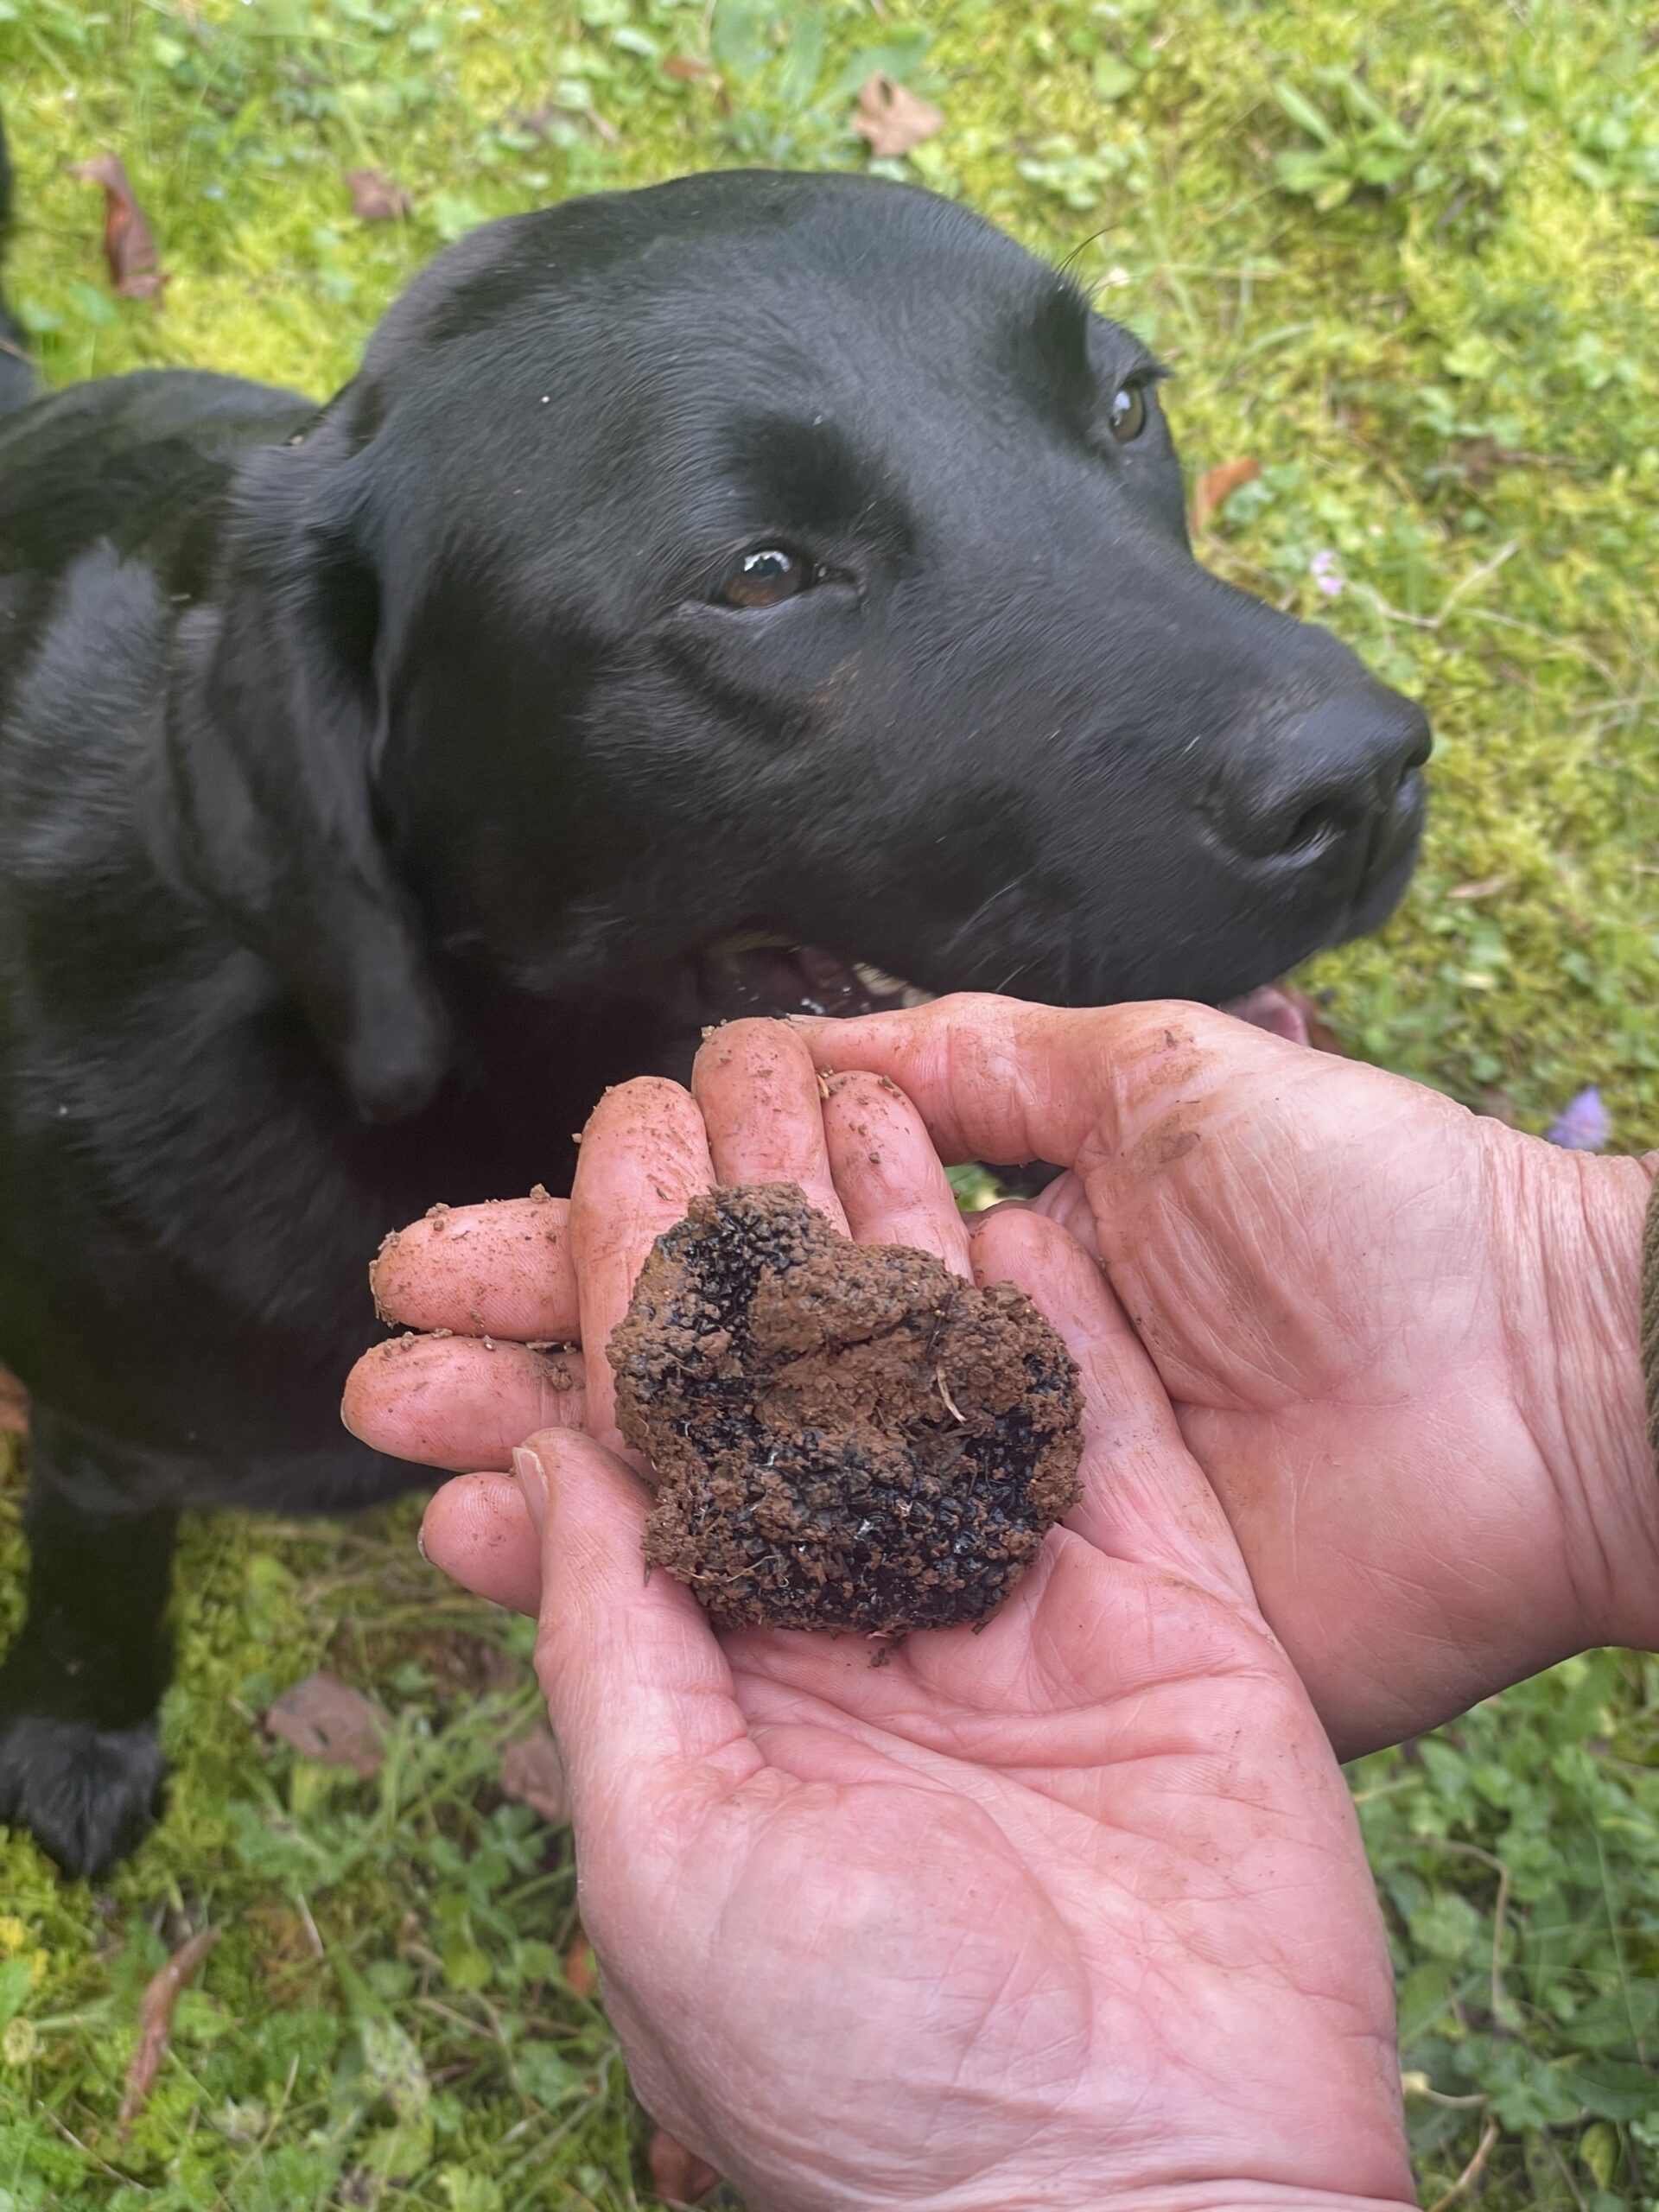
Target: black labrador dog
{"x":715,"y":597}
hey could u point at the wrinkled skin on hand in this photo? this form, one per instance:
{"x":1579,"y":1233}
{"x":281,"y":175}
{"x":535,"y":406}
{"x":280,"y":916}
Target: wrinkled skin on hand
{"x":1073,"y":1910}
{"x":1402,"y":1339}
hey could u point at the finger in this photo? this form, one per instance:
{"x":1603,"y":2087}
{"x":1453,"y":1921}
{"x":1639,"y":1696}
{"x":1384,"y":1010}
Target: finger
{"x":451,"y":1401}
{"x":497,"y":1270}
{"x":478,"y":1529}
{"x":643,"y":1158}
{"x":890,"y":1178}
{"x":759,"y":1094}
{"x":638,"y":1689}
{"x":1145,"y":1498}
{"x":1066,"y":1203}
{"x":998,"y":1080}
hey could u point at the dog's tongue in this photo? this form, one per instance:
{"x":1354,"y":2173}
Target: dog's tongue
{"x":1274,"y":1010}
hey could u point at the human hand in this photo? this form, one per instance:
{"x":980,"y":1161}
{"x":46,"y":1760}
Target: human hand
{"x":1071,"y":1911}
{"x":1402,"y":1339}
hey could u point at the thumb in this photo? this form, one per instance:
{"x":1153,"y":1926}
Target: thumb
{"x":638,"y":1689}
{"x":1000,"y":1080}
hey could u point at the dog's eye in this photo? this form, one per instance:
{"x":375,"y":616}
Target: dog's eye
{"x":765,"y":578}
{"x":1128,"y":412}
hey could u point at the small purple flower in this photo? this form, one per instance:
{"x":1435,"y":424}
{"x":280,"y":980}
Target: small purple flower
{"x":1325,"y":567}
{"x":1583,"y":1124}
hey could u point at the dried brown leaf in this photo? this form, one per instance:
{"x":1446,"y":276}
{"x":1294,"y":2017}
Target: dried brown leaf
{"x":688,"y":69}
{"x":678,"y":2176}
{"x":1216,"y":487}
{"x":539,"y":122}
{"x":129,"y":243}
{"x":1488,"y":886}
{"x":326,"y":1722}
{"x":892,"y":118}
{"x":376,"y":198}
{"x":533,"y":1774}
{"x":155,"y":2010}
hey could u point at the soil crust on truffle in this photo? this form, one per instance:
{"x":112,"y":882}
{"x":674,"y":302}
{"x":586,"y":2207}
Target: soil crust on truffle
{"x":847,"y":1436}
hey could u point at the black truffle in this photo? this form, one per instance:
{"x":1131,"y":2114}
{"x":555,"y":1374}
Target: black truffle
{"x":847,"y":1436}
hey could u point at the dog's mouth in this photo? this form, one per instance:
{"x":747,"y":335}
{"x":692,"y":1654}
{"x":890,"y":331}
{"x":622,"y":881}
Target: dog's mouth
{"x":755,"y":972}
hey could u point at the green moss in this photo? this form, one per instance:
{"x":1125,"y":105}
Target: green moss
{"x":1404,"y":257}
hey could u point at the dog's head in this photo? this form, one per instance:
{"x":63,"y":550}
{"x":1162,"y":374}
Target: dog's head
{"x":703,"y":589}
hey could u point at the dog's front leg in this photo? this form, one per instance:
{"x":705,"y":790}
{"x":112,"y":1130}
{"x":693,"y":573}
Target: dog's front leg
{"x":80,"y":1758}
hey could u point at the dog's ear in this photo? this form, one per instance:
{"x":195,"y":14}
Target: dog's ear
{"x":275,"y":731}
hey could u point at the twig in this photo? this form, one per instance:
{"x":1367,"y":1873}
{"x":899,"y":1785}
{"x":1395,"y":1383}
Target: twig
{"x":459,"y":2020}
{"x":1566,"y":2172}
{"x":87,"y":2152}
{"x":1500,"y":1907}
{"x":155,"y":2010}
{"x":1419,"y":2085}
{"x":1433,"y":621}
{"x":1471,"y":2172}
{"x":317,"y":1946}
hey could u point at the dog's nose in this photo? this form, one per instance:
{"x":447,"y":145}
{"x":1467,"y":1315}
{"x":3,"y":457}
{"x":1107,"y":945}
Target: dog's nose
{"x":1342,"y":772}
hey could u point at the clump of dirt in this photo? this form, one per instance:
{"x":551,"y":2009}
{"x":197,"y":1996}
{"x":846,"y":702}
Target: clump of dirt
{"x":847,"y":1436}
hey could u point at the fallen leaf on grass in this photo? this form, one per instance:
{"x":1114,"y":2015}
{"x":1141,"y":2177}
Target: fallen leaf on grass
{"x":678,"y":2176}
{"x":1216,"y":487}
{"x":581,"y":1968}
{"x":325,"y":1721}
{"x":1477,"y":458}
{"x":688,"y":69}
{"x":533,"y":1774}
{"x":1487,"y":887}
{"x":155,"y":2011}
{"x":539,"y":122}
{"x":376,"y":198}
{"x":129,"y":243}
{"x":892,"y":119}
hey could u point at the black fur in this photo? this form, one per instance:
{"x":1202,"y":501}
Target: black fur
{"x":374,"y":779}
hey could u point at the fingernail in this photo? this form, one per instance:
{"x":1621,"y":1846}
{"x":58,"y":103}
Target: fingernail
{"x":532,"y":1478}
{"x":420,"y":1543}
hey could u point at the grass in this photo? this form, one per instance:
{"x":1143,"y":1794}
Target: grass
{"x":1406,"y":259}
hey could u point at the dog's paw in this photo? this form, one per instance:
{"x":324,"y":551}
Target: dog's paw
{"x":86,"y":1794}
